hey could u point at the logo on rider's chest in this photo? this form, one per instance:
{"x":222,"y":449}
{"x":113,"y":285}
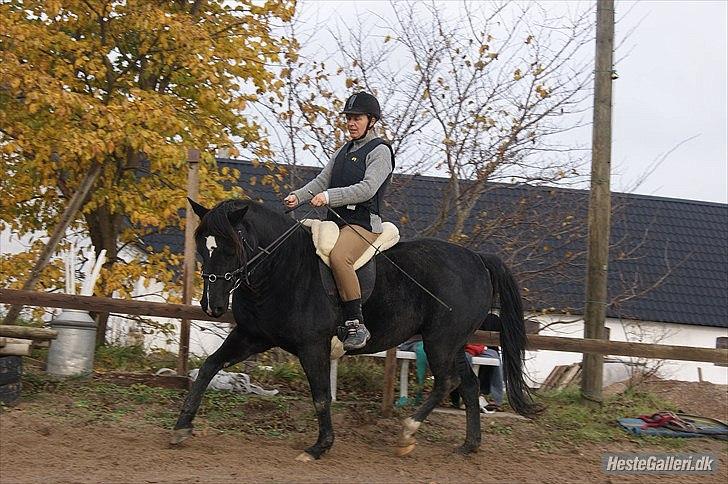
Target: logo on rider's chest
{"x":354,"y":158}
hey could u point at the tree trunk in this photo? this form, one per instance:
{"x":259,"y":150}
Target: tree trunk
{"x":77,"y":200}
{"x":104,"y":228}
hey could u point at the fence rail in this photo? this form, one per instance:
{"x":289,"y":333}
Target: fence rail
{"x":534,"y":342}
{"x":614,"y":348}
{"x":107,"y":304}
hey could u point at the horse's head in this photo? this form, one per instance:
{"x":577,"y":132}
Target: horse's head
{"x":219,"y":239}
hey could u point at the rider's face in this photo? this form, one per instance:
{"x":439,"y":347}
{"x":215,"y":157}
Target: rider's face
{"x":356,"y":124}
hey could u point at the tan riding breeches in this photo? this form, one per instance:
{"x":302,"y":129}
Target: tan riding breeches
{"x":349,"y":247}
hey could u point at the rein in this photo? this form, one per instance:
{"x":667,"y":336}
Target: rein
{"x":260,"y":257}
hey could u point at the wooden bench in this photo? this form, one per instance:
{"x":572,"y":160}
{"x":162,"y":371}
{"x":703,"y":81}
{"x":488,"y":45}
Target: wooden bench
{"x":405,"y":357}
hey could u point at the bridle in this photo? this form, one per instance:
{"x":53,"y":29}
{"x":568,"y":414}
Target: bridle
{"x":247,"y":269}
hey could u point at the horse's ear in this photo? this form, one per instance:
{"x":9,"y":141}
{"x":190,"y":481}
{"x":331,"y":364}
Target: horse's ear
{"x":197,"y":208}
{"x":237,"y":215}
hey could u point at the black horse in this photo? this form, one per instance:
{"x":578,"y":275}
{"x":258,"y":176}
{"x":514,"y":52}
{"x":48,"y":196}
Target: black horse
{"x":283,"y":303}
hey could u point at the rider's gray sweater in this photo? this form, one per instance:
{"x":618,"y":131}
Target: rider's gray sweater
{"x":379,"y":166}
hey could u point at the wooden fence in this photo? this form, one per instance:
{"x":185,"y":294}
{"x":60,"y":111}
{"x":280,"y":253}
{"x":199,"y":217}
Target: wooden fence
{"x":534,"y":342}
{"x":107,"y":304}
{"x":614,"y":348}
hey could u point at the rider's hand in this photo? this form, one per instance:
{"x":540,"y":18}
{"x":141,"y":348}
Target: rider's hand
{"x":290,"y":201}
{"x":319,"y":200}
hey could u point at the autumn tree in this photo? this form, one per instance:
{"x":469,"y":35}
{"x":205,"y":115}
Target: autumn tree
{"x":127,"y":86}
{"x":302,"y":118}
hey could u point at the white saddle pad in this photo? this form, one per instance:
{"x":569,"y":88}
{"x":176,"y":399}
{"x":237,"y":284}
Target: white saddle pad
{"x":325,"y":233}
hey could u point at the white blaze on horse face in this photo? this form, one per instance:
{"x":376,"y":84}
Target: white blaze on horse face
{"x":211,"y":243}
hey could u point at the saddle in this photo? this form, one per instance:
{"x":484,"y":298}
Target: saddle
{"x":325,"y":234}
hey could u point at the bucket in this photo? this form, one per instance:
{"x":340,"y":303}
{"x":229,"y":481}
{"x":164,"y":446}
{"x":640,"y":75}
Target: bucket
{"x":72,"y":352}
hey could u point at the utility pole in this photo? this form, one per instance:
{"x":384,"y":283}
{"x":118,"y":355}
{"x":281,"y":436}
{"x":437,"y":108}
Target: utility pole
{"x":599,"y":202}
{"x":188,"y":274}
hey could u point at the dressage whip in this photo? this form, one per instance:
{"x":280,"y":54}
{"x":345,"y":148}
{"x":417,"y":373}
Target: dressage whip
{"x":377,"y":251}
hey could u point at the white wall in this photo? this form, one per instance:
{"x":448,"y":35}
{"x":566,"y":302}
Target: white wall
{"x":205,"y":336}
{"x":540,"y":363}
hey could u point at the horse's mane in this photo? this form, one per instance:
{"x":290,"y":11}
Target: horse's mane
{"x":216,"y":223}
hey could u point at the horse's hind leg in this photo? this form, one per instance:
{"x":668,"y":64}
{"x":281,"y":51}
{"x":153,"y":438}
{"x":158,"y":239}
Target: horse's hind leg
{"x":317,"y":364}
{"x":470,"y":390}
{"x":234,"y":349}
{"x":446,"y":379}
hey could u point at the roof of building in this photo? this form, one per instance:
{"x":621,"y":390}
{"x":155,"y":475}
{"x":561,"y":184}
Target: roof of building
{"x":668,"y":257}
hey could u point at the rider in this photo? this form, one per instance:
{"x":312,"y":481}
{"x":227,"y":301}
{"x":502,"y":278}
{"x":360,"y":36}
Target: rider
{"x":353,"y":183}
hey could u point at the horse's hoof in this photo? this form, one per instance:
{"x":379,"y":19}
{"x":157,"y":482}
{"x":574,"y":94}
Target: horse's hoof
{"x":466,"y":449}
{"x":305,"y":457}
{"x":180,"y":435}
{"x":405,"y":441}
{"x":402,"y":451}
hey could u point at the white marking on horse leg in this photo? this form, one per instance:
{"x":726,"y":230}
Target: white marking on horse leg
{"x":305,"y":457}
{"x":180,"y":435}
{"x":406,"y":442}
{"x":410,"y":427}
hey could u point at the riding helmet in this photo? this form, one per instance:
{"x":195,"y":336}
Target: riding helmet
{"x":362,"y":103}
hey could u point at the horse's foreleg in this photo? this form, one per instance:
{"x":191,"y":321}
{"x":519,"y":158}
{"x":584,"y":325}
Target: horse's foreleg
{"x":317,"y":365}
{"x":233,"y":350}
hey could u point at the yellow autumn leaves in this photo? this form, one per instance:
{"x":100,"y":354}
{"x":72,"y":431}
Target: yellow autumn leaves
{"x":130,"y":85}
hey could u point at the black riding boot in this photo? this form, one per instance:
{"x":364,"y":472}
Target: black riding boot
{"x":355,"y":333}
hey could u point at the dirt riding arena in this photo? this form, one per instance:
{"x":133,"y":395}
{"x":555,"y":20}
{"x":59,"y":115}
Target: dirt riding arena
{"x":53,"y":437}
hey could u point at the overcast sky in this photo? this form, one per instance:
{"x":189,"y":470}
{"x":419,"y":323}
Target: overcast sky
{"x":672,"y":87}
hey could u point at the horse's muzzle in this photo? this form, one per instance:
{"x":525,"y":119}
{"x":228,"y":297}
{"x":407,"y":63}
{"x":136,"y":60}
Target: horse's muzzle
{"x":217,"y":311}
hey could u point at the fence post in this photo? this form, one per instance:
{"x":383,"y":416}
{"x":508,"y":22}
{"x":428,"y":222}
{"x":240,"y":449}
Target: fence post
{"x":193,"y":189}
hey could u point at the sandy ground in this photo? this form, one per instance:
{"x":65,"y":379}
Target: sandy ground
{"x":36,"y":447}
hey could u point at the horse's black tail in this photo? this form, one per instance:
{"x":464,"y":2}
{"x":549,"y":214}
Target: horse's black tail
{"x":512,"y":334}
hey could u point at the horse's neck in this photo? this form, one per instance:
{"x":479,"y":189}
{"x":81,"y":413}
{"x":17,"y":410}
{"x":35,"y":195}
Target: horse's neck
{"x":268,"y":228}
{"x":288,"y":254}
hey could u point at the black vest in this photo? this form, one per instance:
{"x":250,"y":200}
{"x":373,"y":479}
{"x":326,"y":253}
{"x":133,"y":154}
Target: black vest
{"x":349,"y":169}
